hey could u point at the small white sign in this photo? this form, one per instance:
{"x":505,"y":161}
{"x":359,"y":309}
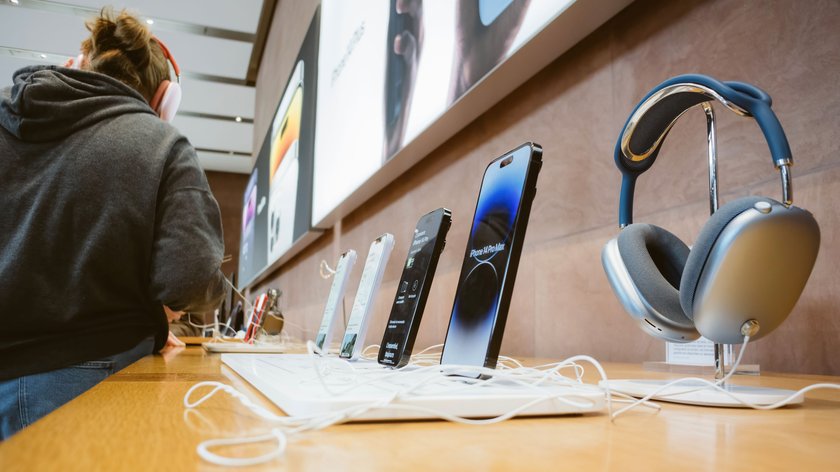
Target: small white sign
{"x":700,"y":352}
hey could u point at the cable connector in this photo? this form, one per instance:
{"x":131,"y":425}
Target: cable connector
{"x":750,"y":328}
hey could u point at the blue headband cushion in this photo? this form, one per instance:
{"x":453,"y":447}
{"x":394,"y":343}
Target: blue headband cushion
{"x":652,"y":127}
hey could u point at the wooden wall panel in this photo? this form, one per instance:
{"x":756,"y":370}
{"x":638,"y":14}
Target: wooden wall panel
{"x":575,"y":108}
{"x":229,"y":188}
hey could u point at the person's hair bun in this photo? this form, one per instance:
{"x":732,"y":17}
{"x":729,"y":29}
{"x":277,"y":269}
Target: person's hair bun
{"x":122,"y":47}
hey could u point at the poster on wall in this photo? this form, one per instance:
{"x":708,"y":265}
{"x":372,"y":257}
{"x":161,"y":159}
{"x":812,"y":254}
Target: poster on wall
{"x":277,"y":204}
{"x":391,"y":68}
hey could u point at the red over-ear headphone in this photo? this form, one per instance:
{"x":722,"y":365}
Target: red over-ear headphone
{"x":167,"y":97}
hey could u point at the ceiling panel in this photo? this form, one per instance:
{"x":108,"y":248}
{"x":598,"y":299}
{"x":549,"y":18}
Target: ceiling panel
{"x":199,"y":53}
{"x":208,"y":55}
{"x":217,"y":99}
{"x":18,"y":29}
{"x":216,"y":134}
{"x":224,"y":162}
{"x":194,"y":53}
{"x":239,"y":15}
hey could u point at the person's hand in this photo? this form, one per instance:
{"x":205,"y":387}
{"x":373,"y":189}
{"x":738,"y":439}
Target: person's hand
{"x":172,"y":348}
{"x":406,"y":47}
{"x":172,"y":315}
{"x":173,"y":341}
{"x":480,"y":47}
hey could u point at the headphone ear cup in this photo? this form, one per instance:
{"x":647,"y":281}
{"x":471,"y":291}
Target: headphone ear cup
{"x":654,"y":259}
{"x":703,"y":246}
{"x":170,"y":98}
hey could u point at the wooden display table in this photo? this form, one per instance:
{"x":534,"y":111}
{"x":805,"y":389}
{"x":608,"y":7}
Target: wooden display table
{"x":136,"y":420}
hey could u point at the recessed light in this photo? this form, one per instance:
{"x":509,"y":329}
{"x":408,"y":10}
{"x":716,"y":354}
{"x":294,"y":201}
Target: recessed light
{"x":150,"y":21}
{"x":238,"y":119}
{"x":43,"y":56}
{"x":16,"y":2}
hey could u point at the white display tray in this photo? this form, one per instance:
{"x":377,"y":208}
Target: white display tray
{"x":241,"y":347}
{"x":292,"y":383}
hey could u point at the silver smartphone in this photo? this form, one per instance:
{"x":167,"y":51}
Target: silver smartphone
{"x":342,"y":273}
{"x":377,"y":259}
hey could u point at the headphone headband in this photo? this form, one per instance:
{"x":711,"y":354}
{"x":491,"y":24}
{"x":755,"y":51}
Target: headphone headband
{"x":645,"y":130}
{"x":169,"y":57}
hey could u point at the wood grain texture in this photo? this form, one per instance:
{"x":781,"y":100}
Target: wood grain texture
{"x":136,"y":421}
{"x":575,"y":108}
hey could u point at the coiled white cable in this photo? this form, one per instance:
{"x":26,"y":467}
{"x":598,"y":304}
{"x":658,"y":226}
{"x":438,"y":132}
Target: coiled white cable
{"x":325,"y":270}
{"x":204,"y":452}
{"x":339,"y":377}
{"x":718,"y":385}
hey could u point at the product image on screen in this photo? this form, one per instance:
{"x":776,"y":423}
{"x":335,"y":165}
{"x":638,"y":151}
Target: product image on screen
{"x":283,"y":169}
{"x":491,"y":260}
{"x":398,"y":66}
{"x":336,"y":297}
{"x":413,"y":288}
{"x":249,"y":215}
{"x":377,"y":259}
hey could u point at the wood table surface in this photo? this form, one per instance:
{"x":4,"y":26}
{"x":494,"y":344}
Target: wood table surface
{"x":136,"y":420}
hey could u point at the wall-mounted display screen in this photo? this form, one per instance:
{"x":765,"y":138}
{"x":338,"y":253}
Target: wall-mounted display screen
{"x":393,"y":79}
{"x":284,"y":168}
{"x":391,"y":68}
{"x":277,"y":204}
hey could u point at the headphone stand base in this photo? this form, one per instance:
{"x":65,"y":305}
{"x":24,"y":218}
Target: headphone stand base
{"x":700,"y":394}
{"x":697,"y":370}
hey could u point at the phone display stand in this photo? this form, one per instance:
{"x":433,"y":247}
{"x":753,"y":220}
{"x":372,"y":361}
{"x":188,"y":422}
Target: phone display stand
{"x":703,"y":394}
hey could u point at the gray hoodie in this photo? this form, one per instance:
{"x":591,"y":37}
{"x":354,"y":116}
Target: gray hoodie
{"x":105,"y":215}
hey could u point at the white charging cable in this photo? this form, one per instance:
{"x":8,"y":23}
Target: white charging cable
{"x":325,"y":270}
{"x":719,"y":385}
{"x":425,"y":376}
{"x":248,"y":307}
{"x":340,"y":377}
{"x":209,"y":325}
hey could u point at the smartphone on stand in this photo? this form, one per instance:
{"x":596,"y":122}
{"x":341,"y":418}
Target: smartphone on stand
{"x":427,"y":244}
{"x":485,"y":284}
{"x":354,"y":337}
{"x":339,"y":285}
{"x":256,"y":319}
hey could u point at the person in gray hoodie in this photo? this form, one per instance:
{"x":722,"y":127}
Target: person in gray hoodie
{"x":107,"y":223}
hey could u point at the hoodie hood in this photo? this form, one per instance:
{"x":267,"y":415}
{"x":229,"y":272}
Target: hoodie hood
{"x":47,"y":103}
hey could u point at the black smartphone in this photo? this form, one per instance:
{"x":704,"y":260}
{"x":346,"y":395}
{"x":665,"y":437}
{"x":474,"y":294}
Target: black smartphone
{"x":413,"y":289}
{"x":487,"y":276}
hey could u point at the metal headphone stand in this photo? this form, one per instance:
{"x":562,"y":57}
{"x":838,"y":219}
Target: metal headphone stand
{"x":695,"y":393}
{"x":711,"y":140}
